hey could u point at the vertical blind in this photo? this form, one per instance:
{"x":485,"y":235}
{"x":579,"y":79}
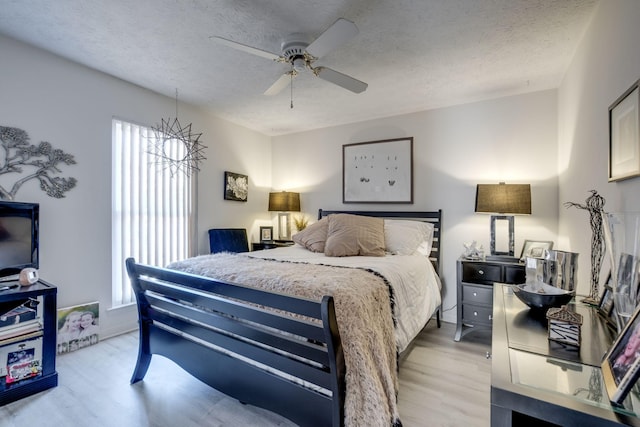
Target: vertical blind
{"x":151,"y":206}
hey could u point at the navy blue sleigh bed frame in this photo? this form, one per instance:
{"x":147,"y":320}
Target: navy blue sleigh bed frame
{"x":203,"y":325}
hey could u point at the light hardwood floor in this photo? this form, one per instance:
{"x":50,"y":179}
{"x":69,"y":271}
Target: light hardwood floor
{"x":442,"y":383}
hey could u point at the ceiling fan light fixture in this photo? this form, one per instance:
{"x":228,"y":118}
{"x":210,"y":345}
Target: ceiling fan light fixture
{"x":299,"y":64}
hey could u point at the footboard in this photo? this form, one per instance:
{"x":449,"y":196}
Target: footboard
{"x":275,"y":351}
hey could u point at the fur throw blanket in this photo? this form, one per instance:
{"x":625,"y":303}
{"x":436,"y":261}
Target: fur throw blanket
{"x":363,"y":310}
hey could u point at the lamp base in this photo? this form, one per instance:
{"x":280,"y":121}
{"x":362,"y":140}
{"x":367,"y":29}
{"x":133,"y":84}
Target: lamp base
{"x":284,"y":226}
{"x":492,"y":248}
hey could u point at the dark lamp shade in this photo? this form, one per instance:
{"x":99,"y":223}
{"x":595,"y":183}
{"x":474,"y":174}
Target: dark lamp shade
{"x":284,"y":201}
{"x":503,"y":198}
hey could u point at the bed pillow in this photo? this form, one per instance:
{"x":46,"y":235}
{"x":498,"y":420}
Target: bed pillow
{"x":425,"y":248}
{"x":405,"y":237}
{"x":314,"y":236}
{"x":351,"y":235}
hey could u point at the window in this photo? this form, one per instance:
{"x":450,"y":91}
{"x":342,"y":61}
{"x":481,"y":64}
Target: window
{"x":152,"y":209}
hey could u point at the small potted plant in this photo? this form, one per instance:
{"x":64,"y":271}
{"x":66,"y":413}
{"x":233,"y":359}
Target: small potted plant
{"x":301,"y":222}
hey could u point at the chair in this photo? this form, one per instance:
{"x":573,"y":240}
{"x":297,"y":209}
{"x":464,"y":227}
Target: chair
{"x":228,"y":240}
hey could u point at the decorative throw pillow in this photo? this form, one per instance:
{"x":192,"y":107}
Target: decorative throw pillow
{"x":351,"y":235}
{"x":314,"y":236}
{"x":405,"y":237}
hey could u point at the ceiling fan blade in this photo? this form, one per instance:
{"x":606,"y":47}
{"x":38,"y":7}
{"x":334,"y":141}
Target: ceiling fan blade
{"x":245,"y":48}
{"x":280,"y":84}
{"x":347,"y":82}
{"x":335,"y":36}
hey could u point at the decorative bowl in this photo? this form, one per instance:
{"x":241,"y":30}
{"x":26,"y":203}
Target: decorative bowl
{"x":541,"y":296}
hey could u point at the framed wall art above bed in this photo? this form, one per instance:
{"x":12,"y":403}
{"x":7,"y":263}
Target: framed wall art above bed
{"x":378,"y":171}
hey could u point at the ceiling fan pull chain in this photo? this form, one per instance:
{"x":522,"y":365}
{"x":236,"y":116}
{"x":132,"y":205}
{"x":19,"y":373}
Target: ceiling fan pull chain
{"x":292,"y":91}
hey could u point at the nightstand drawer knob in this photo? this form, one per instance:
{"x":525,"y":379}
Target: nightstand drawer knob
{"x":481,"y":272}
{"x":491,"y":317}
{"x":475,"y":313}
{"x":475,"y":294}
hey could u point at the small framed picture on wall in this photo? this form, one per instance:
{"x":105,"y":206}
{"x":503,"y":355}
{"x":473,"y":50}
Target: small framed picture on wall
{"x":236,"y":186}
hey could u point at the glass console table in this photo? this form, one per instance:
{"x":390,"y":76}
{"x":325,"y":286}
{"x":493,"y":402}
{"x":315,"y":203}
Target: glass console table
{"x":537,"y":382}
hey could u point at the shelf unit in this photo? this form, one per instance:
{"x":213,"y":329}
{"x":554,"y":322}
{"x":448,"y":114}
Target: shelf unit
{"x":46,"y":294}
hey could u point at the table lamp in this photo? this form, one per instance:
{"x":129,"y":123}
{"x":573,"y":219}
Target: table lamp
{"x":284,"y":202}
{"x":506,"y":200}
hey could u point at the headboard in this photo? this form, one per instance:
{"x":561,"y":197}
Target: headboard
{"x":433,"y":217}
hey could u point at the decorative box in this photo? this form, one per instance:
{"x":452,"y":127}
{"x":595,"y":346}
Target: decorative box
{"x":564,"y":325}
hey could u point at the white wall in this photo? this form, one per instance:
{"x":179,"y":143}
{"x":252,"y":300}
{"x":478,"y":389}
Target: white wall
{"x":510,"y":139}
{"x":235,"y":149}
{"x":522,"y":139}
{"x":605,"y":65}
{"x":71,"y":106}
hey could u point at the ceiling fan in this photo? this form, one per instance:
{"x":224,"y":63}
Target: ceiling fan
{"x":300,"y":54}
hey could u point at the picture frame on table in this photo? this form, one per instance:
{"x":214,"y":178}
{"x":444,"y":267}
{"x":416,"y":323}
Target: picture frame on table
{"x":627,"y":272}
{"x":605,"y":305}
{"x":624,"y":135}
{"x":621,"y":364}
{"x":266,"y":234}
{"x":535,"y":248}
{"x":378,"y":171}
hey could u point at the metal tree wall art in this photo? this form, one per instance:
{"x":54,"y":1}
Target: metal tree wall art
{"x":176,"y":147}
{"x":594,"y":204}
{"x":39,"y":162}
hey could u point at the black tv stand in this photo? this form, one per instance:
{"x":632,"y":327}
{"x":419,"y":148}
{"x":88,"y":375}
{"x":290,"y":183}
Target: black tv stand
{"x":46,"y":295}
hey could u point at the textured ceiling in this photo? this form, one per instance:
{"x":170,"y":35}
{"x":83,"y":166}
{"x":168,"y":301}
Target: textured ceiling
{"x":414,"y":54}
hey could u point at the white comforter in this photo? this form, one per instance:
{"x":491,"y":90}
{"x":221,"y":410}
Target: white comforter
{"x":416,"y":286}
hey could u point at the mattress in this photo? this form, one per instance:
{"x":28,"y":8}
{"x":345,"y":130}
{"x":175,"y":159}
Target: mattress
{"x":412,"y":278}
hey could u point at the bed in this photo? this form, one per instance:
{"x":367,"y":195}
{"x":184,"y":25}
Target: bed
{"x":280,"y":329}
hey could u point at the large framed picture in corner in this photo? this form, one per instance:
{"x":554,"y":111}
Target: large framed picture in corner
{"x":624,"y":135}
{"x":378,"y":171}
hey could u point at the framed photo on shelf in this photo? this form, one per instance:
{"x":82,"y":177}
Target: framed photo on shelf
{"x":621,"y":364}
{"x":378,"y":171}
{"x":266,"y":234}
{"x":605,"y":305}
{"x":624,"y":135}
{"x":535,"y":248}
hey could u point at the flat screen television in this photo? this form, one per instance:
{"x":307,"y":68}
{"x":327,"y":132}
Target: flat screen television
{"x":19,"y":241}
